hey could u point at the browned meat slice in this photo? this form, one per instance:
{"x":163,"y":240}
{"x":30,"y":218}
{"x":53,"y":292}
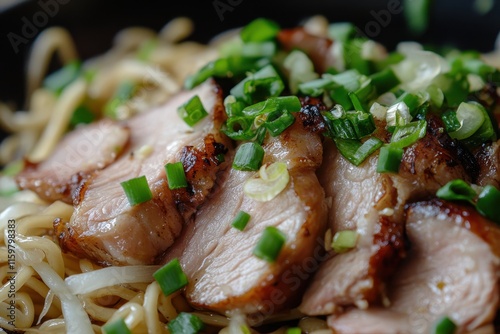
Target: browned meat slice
{"x":106,"y":228}
{"x":373,"y":205}
{"x":223,"y":274}
{"x":317,"y":48}
{"x":489,"y":162}
{"x":368,"y":202}
{"x":452,"y":270}
{"x":81,"y":152}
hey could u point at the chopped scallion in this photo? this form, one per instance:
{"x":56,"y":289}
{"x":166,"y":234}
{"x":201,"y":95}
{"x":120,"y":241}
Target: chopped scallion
{"x":270,"y":244}
{"x":192,"y":111}
{"x":445,"y":326}
{"x":344,"y":241}
{"x":272,"y":181}
{"x":389,"y":159}
{"x":175,"y":175}
{"x":259,"y":86}
{"x":185,"y":323}
{"x":408,"y":134}
{"x":294,"y":330}
{"x":470,"y":118}
{"x":355,"y":151}
{"x":123,"y":93}
{"x":241,"y":220}
{"x":488,"y":203}
{"x":248,"y":157}
{"x":116,"y":327}
{"x":82,"y":115}
{"x":259,"y":30}
{"x":170,"y":277}
{"x":137,"y":190}
{"x":457,"y":190}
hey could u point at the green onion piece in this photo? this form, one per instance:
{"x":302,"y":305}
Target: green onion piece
{"x":344,"y":241}
{"x":479,"y":67}
{"x":362,"y":122}
{"x":355,"y":151}
{"x":288,"y":103}
{"x":265,"y":49}
{"x":398,"y":115}
{"x":241,"y":220}
{"x":272,"y":181}
{"x":412,"y":101}
{"x":389,"y":159}
{"x":455,"y":88}
{"x":300,"y":69}
{"x":233,"y":107}
{"x":450,"y":121}
{"x":248,"y":157}
{"x":294,"y":330}
{"x":82,"y":115}
{"x":445,"y":326}
{"x":408,"y":134}
{"x":436,"y":95}
{"x":175,"y":175}
{"x":116,"y":327}
{"x":239,"y":128}
{"x":60,"y":79}
{"x":456,"y":190}
{"x":259,"y":86}
{"x":277,"y":124}
{"x":137,"y":190}
{"x":270,"y":243}
{"x":123,"y":93}
{"x":470,"y":117}
{"x":353,"y":56}
{"x":341,"y":31}
{"x":192,"y":111}
{"x":417,"y":15}
{"x":170,"y":277}
{"x":384,"y":80}
{"x":488,"y":203}
{"x":245,"y":329}
{"x":485,"y":132}
{"x":185,"y":323}
{"x":358,"y":106}
{"x":259,"y":30}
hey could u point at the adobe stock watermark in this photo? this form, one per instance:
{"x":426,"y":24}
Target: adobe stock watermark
{"x":223,"y":6}
{"x":31,"y":26}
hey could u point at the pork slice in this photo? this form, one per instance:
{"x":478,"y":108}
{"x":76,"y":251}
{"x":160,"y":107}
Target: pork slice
{"x":80,"y":153}
{"x":368,"y":202}
{"x":106,"y":228}
{"x":223,"y":274}
{"x":452,"y":270}
{"x":373,"y":204}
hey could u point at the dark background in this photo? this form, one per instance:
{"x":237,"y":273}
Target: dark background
{"x":93,"y":23}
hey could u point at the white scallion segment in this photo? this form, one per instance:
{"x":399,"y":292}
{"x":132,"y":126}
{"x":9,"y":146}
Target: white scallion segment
{"x":470,"y":117}
{"x":371,"y":50}
{"x":436,"y":95}
{"x":76,"y":319}
{"x":398,"y":115}
{"x":300,"y":68}
{"x":344,"y":241}
{"x":378,"y":111}
{"x":101,"y":278}
{"x":417,"y":70}
{"x":271,"y":181}
{"x":475,"y":82}
{"x":387,"y":99}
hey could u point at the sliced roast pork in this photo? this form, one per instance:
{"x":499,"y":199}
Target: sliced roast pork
{"x":452,"y":270}
{"x":223,"y":274}
{"x":373,"y":205}
{"x":106,"y":228}
{"x":80,"y":153}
